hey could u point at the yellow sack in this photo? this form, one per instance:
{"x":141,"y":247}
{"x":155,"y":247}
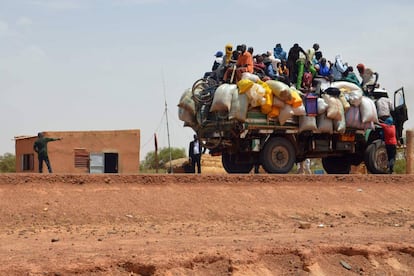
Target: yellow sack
{"x":244,"y":85}
{"x":256,"y":95}
{"x":274,"y":112}
{"x":266,"y":106}
{"x":296,"y":100}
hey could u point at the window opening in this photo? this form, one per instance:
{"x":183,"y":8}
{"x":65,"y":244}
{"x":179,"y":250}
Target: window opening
{"x":28,"y":162}
{"x":81,"y":158}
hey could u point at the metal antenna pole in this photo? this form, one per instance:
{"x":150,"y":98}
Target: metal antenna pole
{"x":166,"y":118}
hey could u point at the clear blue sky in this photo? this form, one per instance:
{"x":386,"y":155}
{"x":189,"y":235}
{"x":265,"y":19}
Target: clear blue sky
{"x":107,"y":64}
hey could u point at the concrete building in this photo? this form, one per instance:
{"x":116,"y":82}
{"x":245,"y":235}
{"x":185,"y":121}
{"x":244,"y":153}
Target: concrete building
{"x":112,"y":151}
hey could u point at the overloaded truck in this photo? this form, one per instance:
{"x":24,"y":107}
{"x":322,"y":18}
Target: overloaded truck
{"x":254,"y":123}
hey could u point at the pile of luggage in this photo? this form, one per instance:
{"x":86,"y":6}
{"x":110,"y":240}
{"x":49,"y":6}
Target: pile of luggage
{"x":340,"y":104}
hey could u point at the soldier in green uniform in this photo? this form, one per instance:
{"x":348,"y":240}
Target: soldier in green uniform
{"x":40,"y":146}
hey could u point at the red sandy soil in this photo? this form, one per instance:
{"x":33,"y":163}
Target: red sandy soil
{"x":206,"y":224}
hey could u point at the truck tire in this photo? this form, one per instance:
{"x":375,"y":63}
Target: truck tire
{"x":376,"y":158}
{"x":336,"y":164}
{"x":230,"y":165}
{"x":278,"y":155}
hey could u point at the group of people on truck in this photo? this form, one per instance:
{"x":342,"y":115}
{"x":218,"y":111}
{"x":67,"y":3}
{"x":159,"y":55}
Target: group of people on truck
{"x":303,"y":69}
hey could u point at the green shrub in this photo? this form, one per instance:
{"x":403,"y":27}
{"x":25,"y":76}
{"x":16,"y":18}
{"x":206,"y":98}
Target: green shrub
{"x":7,"y":163}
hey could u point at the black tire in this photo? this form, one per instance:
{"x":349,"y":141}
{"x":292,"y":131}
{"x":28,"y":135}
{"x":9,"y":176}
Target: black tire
{"x":336,"y":164}
{"x":203,"y":91}
{"x":230,"y":165}
{"x":278,"y":155}
{"x":376,"y":158}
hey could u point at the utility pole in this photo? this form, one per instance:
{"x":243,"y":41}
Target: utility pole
{"x":156,"y":152}
{"x":166,"y":118}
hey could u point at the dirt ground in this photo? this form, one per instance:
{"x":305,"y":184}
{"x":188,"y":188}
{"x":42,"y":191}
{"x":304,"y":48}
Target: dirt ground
{"x":206,"y":224}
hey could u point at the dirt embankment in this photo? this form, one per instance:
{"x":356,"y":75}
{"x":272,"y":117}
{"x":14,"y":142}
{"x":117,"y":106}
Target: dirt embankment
{"x":206,"y":224}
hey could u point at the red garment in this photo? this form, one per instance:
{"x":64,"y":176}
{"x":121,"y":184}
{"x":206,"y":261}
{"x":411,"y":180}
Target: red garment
{"x":260,"y":65}
{"x":307,"y":80}
{"x":246,"y":60}
{"x":390,"y":137}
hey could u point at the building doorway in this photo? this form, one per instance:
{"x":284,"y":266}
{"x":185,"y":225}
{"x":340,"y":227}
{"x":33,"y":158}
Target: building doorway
{"x":111,"y":162}
{"x":103,"y":162}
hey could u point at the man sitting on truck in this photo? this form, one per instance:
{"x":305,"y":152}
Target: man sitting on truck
{"x":368,"y":77}
{"x":244,"y":64}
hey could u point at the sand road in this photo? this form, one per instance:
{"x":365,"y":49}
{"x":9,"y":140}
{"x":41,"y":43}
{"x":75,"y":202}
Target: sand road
{"x":206,"y":224}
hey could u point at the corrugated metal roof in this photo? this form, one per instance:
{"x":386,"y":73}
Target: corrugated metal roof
{"x":20,"y":137}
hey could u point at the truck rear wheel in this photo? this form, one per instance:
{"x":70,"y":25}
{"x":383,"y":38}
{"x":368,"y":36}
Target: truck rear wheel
{"x":376,"y":158}
{"x":278,"y":155}
{"x":336,"y":164}
{"x":230,"y":165}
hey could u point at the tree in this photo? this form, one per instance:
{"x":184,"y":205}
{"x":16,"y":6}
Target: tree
{"x":7,"y":163}
{"x":163,"y":158}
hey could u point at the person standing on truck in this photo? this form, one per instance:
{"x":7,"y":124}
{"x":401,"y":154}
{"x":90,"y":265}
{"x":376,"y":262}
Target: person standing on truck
{"x":40,"y":147}
{"x":311,"y":52}
{"x":390,"y":139}
{"x":294,"y":61}
{"x":194,"y":153}
{"x":279,"y":53}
